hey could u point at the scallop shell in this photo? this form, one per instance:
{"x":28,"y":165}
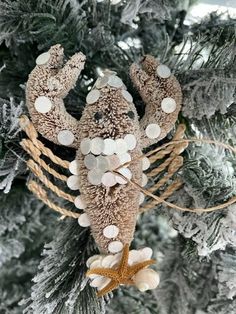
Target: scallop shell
{"x":146,"y":279}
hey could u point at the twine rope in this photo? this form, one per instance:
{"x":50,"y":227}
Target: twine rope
{"x":33,"y":151}
{"x":39,"y":174}
{"x":30,"y":130}
{"x":41,"y":194}
{"x":174,"y":186}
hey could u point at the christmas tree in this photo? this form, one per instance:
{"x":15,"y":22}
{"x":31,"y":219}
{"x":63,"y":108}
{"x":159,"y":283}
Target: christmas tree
{"x":42,"y":258}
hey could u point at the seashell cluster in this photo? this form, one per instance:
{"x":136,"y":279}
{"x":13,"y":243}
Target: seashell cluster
{"x":145,"y":279}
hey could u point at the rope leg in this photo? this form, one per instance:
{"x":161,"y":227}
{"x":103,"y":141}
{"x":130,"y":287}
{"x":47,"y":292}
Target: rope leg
{"x":41,"y":194}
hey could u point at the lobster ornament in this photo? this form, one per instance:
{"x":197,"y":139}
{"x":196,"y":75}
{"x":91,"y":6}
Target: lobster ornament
{"x":109,"y":140}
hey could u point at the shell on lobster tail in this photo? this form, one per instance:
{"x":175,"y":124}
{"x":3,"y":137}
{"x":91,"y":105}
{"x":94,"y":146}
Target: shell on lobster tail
{"x":109,"y":136}
{"x":146,"y":279}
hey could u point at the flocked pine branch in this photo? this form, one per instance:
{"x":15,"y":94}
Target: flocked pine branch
{"x":11,"y":163}
{"x":61,"y":285}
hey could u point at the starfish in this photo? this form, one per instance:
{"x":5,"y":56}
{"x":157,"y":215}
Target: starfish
{"x":123,"y":274}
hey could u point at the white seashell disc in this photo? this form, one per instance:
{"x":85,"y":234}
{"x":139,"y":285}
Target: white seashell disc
{"x":116,"y":260}
{"x":121,"y":146}
{"x":114,"y":162}
{"x":126,"y":173}
{"x":134,"y":257}
{"x":85,"y":146}
{"x":79,"y":203}
{"x":145,"y":163}
{"x":93,"y":96}
{"x":43,"y":58}
{"x":115,"y":246}
{"x":144,"y":179}
{"x":115,"y":81}
{"x":168,"y":105}
{"x":83,"y":220}
{"x":93,"y":258}
{"x":90,"y":161}
{"x":95,"y":176}
{"x":124,"y":158}
{"x":146,"y":279}
{"x":163,"y":71}
{"x":73,"y":182}
{"x":96,"y":263}
{"x":104,"y":283}
{"x":74,"y":167}
{"x":65,"y":137}
{"x":96,"y":282}
{"x":43,"y":104}
{"x":101,"y":82}
{"x":109,"y":179}
{"x":141,"y":198}
{"x":97,"y":145}
{"x":131,"y":141}
{"x":153,"y":130}
{"x":127,"y":96}
{"x":111,"y":231}
{"x":103,"y":163}
{"x":108,"y":261}
{"x":109,"y":147}
{"x":146,"y":253}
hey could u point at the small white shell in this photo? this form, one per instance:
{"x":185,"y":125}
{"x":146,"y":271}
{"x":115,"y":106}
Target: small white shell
{"x":107,"y":261}
{"x":98,"y":281}
{"x":111,"y":231}
{"x":90,"y":161}
{"x":109,"y":179}
{"x":109,"y":147}
{"x":134,"y":257}
{"x":115,"y":246}
{"x":74,"y":167}
{"x":93,"y":258}
{"x":43,"y":58}
{"x":43,"y":104}
{"x":121,"y":146}
{"x":168,"y":105}
{"x":103,"y":163}
{"x":103,"y":283}
{"x":144,"y":179}
{"x":127,"y":96}
{"x":79,"y":202}
{"x":146,"y":279}
{"x":141,"y":198}
{"x":65,"y":137}
{"x":131,"y":141}
{"x":145,"y":163}
{"x":153,"y":130}
{"x":93,"y":96}
{"x":163,"y":71}
{"x":115,"y":81}
{"x":85,"y":146}
{"x":113,"y":161}
{"x":96,"y":263}
{"x":145,"y":253}
{"x":83,"y":220}
{"x":95,"y":176}
{"x":126,"y":173}
{"x":73,"y":182}
{"x":110,"y":261}
{"x":97,"y":145}
{"x":101,"y":82}
{"x":124,"y":158}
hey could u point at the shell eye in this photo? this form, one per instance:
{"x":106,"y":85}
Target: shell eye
{"x":131,"y":114}
{"x":98,"y":116}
